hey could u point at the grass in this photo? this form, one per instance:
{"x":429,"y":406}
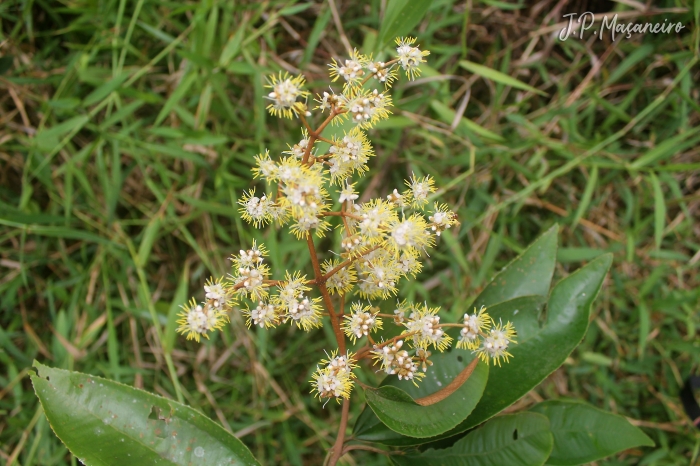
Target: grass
{"x":128,"y":131}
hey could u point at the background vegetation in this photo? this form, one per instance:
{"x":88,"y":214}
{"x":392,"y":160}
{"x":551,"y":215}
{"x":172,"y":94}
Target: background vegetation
{"x":127,"y":130}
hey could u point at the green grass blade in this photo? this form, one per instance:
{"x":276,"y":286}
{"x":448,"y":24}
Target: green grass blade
{"x":497,"y":76}
{"x":659,"y":210}
{"x":587,"y":195}
{"x":400,"y":18}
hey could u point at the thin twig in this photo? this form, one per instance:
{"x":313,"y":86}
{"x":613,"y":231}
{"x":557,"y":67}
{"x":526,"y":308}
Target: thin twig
{"x":344,"y":264}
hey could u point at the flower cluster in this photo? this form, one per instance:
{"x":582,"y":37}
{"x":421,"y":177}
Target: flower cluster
{"x":394,"y":360}
{"x":334,"y":379}
{"x":361,"y":322}
{"x":382,"y":240}
{"x":199,"y":319}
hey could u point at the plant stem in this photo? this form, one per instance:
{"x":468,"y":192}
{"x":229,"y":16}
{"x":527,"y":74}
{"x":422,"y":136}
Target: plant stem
{"x":315,"y":135}
{"x":341,"y":214}
{"x":320,"y":282}
{"x":337,"y":451}
{"x":343,"y":264}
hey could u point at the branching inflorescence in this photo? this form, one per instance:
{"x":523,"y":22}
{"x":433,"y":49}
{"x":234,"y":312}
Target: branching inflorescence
{"x":382,"y":242}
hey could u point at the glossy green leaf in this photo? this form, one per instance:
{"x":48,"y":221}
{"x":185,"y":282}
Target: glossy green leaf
{"x":528,"y":274}
{"x":534,"y":358}
{"x":522,"y":439}
{"x":105,"y":423}
{"x":400,"y":18}
{"x":400,"y":415}
{"x":523,"y":312}
{"x":583,"y":433}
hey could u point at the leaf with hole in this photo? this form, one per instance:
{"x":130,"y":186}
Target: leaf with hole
{"x":104,"y":423}
{"x":583,"y":433}
{"x":522,"y":439}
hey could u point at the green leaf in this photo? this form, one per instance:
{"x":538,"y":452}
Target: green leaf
{"x":400,"y":18}
{"x":60,"y":232}
{"x":583,"y":433}
{"x":668,"y":148}
{"x":514,"y":440}
{"x":447,"y":115}
{"x":104,"y":90}
{"x":233,"y":46}
{"x":540,"y":354}
{"x":104,"y":423}
{"x":493,"y":75}
{"x":587,"y":195}
{"x":5,"y":63}
{"x":659,"y":210}
{"x":157,"y":33}
{"x":179,"y":298}
{"x":176,"y":96}
{"x":150,"y":234}
{"x":294,"y":9}
{"x":399,"y":414}
{"x":316,"y":33}
{"x":529,"y":274}
{"x":638,"y":54}
{"x":48,"y":138}
{"x":68,"y":103}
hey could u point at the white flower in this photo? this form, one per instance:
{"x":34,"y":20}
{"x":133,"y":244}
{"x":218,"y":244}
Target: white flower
{"x":352,"y":70}
{"x":442,"y":219}
{"x":348,"y":193}
{"x":197,"y":320}
{"x":215,"y":293}
{"x":327,"y":101}
{"x":365,"y":107}
{"x":349,"y":154}
{"x":420,"y":189}
{"x":350,"y":243}
{"x":264,"y":315}
{"x":376,"y":216}
{"x":298,"y":150}
{"x":265,"y":167}
{"x":394,"y":360}
{"x":285,"y":91}
{"x":254,"y":209}
{"x":409,"y":233}
{"x":305,"y":312}
{"x":396,"y":198}
{"x":361,"y":322}
{"x":495,"y":344}
{"x":410,"y":57}
{"x":381,"y":72}
{"x":424,"y":325}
